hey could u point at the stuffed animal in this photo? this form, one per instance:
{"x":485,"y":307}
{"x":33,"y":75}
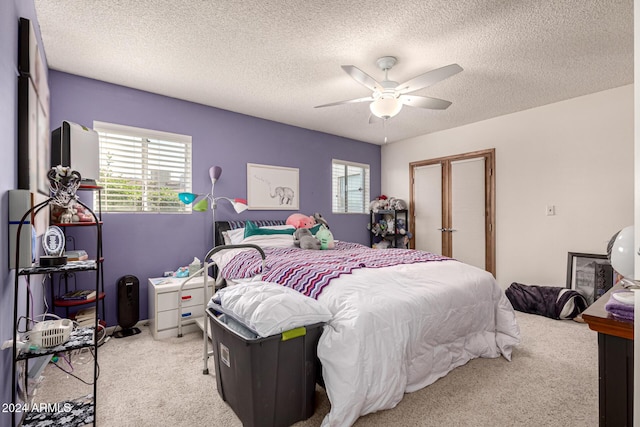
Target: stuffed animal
{"x":401,"y":226}
{"x":320,"y":219}
{"x":390,"y":223}
{"x":67,"y":216}
{"x":379,"y":203}
{"x":302,"y":237}
{"x":382,"y":225}
{"x":325,"y":238}
{"x":298,"y":220}
{"x":397,"y":204}
{"x":377,"y":229}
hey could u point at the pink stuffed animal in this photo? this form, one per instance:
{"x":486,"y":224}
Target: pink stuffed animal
{"x":301,"y":221}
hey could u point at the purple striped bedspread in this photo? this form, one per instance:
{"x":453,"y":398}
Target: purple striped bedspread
{"x":310,"y":271}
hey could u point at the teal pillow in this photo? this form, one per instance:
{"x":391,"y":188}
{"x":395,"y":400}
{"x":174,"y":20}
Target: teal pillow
{"x":315,"y":229}
{"x":250,"y":229}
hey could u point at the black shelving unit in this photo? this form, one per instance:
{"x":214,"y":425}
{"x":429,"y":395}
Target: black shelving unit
{"x":83,"y":409}
{"x":64,"y":277}
{"x":393,"y":236}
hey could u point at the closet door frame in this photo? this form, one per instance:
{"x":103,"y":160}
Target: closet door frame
{"x":490,"y":200}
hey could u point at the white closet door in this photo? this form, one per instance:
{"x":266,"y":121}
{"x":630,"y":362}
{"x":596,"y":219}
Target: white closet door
{"x":468,"y":211}
{"x":428,"y":208}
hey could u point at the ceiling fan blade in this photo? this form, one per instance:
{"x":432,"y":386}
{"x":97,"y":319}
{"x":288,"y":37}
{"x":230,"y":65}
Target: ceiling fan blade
{"x":363,"y":78}
{"x":349,"y":101}
{"x":424,"y":102}
{"x":429,"y":78}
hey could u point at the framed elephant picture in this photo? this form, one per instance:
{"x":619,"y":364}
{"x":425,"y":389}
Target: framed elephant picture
{"x":272,"y":187}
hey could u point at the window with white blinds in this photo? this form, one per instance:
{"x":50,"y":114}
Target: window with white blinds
{"x":143,"y":170}
{"x":350,"y":187}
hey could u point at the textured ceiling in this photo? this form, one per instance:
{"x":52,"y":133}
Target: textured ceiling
{"x":277,"y":59}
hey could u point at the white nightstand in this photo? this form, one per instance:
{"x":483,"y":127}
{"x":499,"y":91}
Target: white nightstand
{"x":163,"y":304}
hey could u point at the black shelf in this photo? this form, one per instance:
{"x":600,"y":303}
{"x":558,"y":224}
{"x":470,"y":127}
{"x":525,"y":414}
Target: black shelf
{"x":61,"y":302}
{"x":79,"y":338}
{"x":393,"y":237}
{"x":75,"y":412}
{"x":71,"y":266}
{"x":70,"y":413}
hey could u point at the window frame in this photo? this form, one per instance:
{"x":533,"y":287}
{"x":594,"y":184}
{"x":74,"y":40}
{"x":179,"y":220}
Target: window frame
{"x":334,"y":187}
{"x":147,"y":137}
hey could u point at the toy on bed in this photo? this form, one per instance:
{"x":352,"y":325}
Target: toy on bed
{"x":302,"y":237}
{"x":306,"y":227}
{"x":320,"y":219}
{"x":298,"y":220}
{"x":325,"y":237}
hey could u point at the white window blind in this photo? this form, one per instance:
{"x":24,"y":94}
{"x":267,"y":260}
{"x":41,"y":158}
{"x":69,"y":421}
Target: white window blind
{"x":143,"y":170}
{"x":350,"y":187}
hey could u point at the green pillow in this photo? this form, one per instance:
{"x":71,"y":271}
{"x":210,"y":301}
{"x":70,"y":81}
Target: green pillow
{"x":250,"y":229}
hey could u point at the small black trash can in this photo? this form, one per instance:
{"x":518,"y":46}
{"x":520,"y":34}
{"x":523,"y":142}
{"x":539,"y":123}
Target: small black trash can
{"x":128,"y":306}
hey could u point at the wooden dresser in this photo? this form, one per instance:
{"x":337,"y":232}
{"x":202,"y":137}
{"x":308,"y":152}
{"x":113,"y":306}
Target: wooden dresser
{"x":615,"y":363}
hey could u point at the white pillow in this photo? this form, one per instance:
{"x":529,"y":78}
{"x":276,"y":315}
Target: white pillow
{"x":269,"y":308}
{"x":225,"y":237}
{"x":235,"y":236}
{"x":271,"y":240}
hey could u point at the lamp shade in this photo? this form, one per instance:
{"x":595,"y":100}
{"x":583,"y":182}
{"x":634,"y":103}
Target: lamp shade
{"x":214,"y":173}
{"x":187,"y":198}
{"x":622,"y":255}
{"x":240,"y":205}
{"x":201,"y":206}
{"x":385,"y":108}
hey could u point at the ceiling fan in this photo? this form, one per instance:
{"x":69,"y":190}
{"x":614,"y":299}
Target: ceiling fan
{"x":388,"y":96}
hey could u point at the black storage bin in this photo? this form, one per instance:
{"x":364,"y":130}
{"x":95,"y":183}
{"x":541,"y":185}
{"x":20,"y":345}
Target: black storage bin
{"x":268,"y":382}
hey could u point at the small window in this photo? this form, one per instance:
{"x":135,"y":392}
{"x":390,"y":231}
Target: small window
{"x":350,"y":187}
{"x":143,"y":170}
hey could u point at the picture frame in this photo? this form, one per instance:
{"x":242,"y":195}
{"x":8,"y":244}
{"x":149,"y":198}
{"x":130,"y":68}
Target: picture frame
{"x":272,"y":187}
{"x":34,"y":135}
{"x":589,"y":274}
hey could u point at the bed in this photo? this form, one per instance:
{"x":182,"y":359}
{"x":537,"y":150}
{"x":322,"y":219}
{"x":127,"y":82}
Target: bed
{"x":402,"y":319}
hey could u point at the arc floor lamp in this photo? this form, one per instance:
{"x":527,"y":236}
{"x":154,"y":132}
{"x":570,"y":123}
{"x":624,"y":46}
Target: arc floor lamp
{"x":210,"y":201}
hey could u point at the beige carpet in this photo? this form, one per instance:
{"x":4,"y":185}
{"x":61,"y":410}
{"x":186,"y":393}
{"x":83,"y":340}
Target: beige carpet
{"x":551,"y":381}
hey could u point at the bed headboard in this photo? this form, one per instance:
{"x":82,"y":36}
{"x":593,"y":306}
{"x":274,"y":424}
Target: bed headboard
{"x":232,"y":225}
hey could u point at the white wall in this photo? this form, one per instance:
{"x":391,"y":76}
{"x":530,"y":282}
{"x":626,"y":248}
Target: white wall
{"x":576,"y":155}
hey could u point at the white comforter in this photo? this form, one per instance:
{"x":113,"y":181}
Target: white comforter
{"x":398,"y":329}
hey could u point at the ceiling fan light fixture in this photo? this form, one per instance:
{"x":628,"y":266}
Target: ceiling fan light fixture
{"x":385,"y":108}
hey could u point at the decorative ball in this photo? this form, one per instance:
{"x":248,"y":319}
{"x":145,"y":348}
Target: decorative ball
{"x":622,"y":254}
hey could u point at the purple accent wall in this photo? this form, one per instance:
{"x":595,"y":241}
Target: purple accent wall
{"x":146,"y":245}
{"x":10,"y":13}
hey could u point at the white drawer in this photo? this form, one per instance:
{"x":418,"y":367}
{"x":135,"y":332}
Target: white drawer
{"x":169,"y":319}
{"x":190,"y":297}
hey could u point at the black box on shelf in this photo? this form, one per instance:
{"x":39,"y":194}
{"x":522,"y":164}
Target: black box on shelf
{"x":266,"y":381}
